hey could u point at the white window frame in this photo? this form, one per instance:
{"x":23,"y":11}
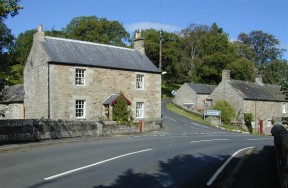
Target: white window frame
{"x":140,"y":82}
{"x":80,"y":109}
{"x":284,"y":108}
{"x":139,"y":109}
{"x":80,"y":77}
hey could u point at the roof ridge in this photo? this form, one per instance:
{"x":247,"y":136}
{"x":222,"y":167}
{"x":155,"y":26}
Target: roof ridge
{"x":86,"y":42}
{"x":201,"y":84}
{"x":251,"y":82}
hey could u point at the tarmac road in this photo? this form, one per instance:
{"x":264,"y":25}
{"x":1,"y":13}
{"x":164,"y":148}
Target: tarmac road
{"x":184,"y":154}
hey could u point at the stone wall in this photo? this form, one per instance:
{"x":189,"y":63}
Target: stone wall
{"x":224,"y":91}
{"x":201,"y":101}
{"x":13,"y":131}
{"x":267,"y":111}
{"x":36,"y":80}
{"x":264,"y":109}
{"x":100,"y":83}
{"x":186,"y":95}
{"x":281,"y":150}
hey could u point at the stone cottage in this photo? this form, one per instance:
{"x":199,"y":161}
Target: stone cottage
{"x":264,"y":101}
{"x":193,"y":96}
{"x":12,"y":105}
{"x":71,"y":79}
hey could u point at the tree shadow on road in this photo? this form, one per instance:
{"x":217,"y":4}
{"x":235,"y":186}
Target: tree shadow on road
{"x":180,"y":171}
{"x":259,"y":169}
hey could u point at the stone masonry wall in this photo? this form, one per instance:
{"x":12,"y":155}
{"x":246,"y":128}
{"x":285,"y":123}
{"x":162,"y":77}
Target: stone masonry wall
{"x":225,"y":92}
{"x":36,"y":80}
{"x":186,"y":95}
{"x":12,"y":131}
{"x":200,"y":101}
{"x":267,"y":111}
{"x":100,"y":83}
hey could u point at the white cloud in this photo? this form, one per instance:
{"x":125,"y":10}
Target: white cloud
{"x":150,"y":25}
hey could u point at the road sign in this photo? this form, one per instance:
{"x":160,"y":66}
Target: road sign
{"x":174,"y":92}
{"x":212,"y":112}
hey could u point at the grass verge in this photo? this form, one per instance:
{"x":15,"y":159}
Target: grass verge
{"x":182,"y":112}
{"x":174,"y":108}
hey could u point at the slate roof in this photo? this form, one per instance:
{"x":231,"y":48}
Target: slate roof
{"x":254,"y":91}
{"x":74,"y":52}
{"x":14,"y":94}
{"x":112,"y":99}
{"x":202,"y":88}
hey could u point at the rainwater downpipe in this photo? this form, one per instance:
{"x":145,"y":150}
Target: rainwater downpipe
{"x":255,"y":116}
{"x":48,"y":91}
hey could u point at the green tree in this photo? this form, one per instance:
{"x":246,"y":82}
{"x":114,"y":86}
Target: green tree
{"x":10,"y":7}
{"x":7,"y":8}
{"x":121,"y":112}
{"x":275,"y":72}
{"x":169,"y":50}
{"x":242,"y":69}
{"x":188,"y":51}
{"x":94,"y":29}
{"x":22,"y":48}
{"x":263,"y":46}
{"x":214,"y":54}
{"x":227,"y":111}
{"x":248,"y":118}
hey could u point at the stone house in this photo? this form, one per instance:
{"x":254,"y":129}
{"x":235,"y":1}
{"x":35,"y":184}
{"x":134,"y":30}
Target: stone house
{"x":265,"y":102}
{"x":12,"y":105}
{"x":71,"y":79}
{"x":193,"y":96}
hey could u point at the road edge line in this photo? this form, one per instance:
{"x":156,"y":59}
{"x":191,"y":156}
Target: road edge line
{"x":216,"y":174}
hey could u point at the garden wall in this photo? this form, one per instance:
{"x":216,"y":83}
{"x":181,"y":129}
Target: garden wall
{"x":12,"y":131}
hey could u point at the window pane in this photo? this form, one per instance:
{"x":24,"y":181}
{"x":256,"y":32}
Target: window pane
{"x":139,"y":81}
{"x":139,"y":110}
{"x":80,"y":109}
{"x":80,"y":77}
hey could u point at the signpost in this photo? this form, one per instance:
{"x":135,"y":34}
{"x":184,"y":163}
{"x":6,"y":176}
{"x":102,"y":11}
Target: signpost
{"x":213,"y":113}
{"x":173,"y":92}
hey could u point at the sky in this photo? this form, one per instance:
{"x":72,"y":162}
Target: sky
{"x":234,"y":16}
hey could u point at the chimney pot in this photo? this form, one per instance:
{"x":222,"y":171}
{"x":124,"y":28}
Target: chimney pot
{"x":40,"y":28}
{"x":139,"y":42}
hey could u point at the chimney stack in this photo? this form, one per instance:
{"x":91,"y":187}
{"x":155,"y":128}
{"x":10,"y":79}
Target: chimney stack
{"x":139,"y":42}
{"x":258,"y":79}
{"x":39,"y":35}
{"x":225,"y":75}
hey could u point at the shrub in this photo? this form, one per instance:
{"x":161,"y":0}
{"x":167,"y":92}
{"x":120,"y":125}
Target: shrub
{"x":227,"y":111}
{"x":121,"y":112}
{"x":248,"y":118}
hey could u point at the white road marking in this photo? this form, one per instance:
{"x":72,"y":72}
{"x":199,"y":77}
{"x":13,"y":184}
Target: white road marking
{"x":212,"y":179}
{"x":207,"y":140}
{"x":260,"y":139}
{"x":170,"y":118}
{"x":91,"y":165}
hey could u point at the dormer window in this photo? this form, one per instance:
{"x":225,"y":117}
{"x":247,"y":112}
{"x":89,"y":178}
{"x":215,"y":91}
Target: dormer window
{"x":139,"y":82}
{"x":80,"y":77}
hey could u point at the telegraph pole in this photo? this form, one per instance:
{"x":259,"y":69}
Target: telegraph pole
{"x":160,"y":50}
